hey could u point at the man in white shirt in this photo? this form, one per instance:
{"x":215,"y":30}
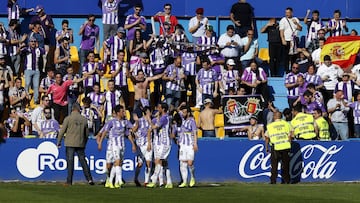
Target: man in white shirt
{"x":329,"y":73}
{"x":289,"y":27}
{"x":317,"y":53}
{"x":197,"y":25}
{"x":230,"y":44}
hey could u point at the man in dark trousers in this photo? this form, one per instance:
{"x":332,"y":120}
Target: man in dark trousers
{"x":75,"y":127}
{"x":279,"y":134}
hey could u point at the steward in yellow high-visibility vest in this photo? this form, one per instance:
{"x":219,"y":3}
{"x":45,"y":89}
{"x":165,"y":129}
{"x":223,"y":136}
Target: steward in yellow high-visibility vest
{"x":279,"y":134}
{"x":321,"y":126}
{"x":303,"y":124}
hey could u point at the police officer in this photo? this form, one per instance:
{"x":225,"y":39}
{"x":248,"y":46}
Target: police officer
{"x":321,"y":126}
{"x":279,"y":134}
{"x":303,"y":124}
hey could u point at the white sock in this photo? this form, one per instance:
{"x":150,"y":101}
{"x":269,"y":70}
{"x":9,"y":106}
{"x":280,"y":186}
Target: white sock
{"x":183,"y":171}
{"x":161,"y":176}
{"x":192,"y":171}
{"x":112,"y":175}
{"x":147,"y":174}
{"x":118,"y":174}
{"x":155,"y":176}
{"x":168,"y":176}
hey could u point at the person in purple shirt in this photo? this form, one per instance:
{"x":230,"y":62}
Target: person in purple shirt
{"x":310,"y":104}
{"x":255,"y":80}
{"x":302,"y":87}
{"x":49,"y":127}
{"x":92,"y":71}
{"x":96,"y":101}
{"x":89,"y":39}
{"x":135,"y":21}
{"x":292,"y":85}
{"x":109,"y":17}
{"x":206,"y":81}
{"x":33,"y":56}
{"x":355,"y":106}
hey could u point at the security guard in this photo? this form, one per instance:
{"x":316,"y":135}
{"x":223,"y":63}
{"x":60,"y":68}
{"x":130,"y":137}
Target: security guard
{"x":303,"y":124}
{"x":321,"y":126}
{"x":279,"y":134}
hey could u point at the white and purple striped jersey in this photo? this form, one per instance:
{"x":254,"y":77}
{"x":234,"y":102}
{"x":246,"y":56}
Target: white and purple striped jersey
{"x":291,"y":78}
{"x":356,"y":111}
{"x":314,"y":79}
{"x":13,"y":35}
{"x":250,"y":76}
{"x":339,"y":27}
{"x":74,"y":88}
{"x":95,"y":78}
{"x":111,"y":100}
{"x":347,"y":88}
{"x":3,"y":45}
{"x":46,"y":82}
{"x":14,"y":11}
{"x":117,"y":130}
{"x":157,"y":61}
{"x":96,"y":100}
{"x":89,"y":114}
{"x":207,"y":80}
{"x":314,"y":27}
{"x":120,"y":79}
{"x":146,"y":68}
{"x":115,"y":44}
{"x":172,"y":71}
{"x":50,"y":128}
{"x":33,"y":57}
{"x":206,"y":42}
{"x":141,"y":134}
{"x":186,"y":132}
{"x":110,"y":12}
{"x":162,"y":137}
{"x":59,"y":33}
{"x":179,"y":38}
{"x":230,"y":79}
{"x":189,"y":62}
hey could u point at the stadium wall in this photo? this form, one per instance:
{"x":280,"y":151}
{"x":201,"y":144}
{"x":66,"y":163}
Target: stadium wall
{"x":218,"y":23}
{"x":216,"y":161}
{"x":187,"y":7}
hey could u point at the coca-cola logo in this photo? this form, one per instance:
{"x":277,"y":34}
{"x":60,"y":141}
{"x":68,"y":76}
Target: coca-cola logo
{"x":304,"y":162}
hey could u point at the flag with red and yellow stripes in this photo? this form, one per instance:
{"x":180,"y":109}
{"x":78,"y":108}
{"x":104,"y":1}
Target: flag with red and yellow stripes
{"x":341,"y":49}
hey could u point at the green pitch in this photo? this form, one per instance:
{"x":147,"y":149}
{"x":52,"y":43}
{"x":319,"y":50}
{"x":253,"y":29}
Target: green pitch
{"x":224,"y":192}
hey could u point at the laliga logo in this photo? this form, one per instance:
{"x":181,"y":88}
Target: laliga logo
{"x":256,"y":159}
{"x":32,"y":162}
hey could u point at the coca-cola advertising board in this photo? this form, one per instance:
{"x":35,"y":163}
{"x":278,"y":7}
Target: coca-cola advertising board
{"x":239,"y":109}
{"x":216,"y":161}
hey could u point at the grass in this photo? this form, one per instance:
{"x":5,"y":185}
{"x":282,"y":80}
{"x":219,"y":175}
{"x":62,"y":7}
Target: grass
{"x":227,"y":192}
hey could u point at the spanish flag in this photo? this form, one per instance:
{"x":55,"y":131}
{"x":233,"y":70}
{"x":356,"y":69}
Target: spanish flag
{"x":341,"y":49}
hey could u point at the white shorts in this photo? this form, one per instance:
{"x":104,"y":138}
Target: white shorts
{"x":144,"y":154}
{"x":161,"y":151}
{"x":114,"y":153}
{"x":186,"y":153}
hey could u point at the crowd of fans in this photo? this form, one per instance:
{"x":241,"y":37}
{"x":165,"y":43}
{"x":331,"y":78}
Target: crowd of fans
{"x":182,"y":69}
